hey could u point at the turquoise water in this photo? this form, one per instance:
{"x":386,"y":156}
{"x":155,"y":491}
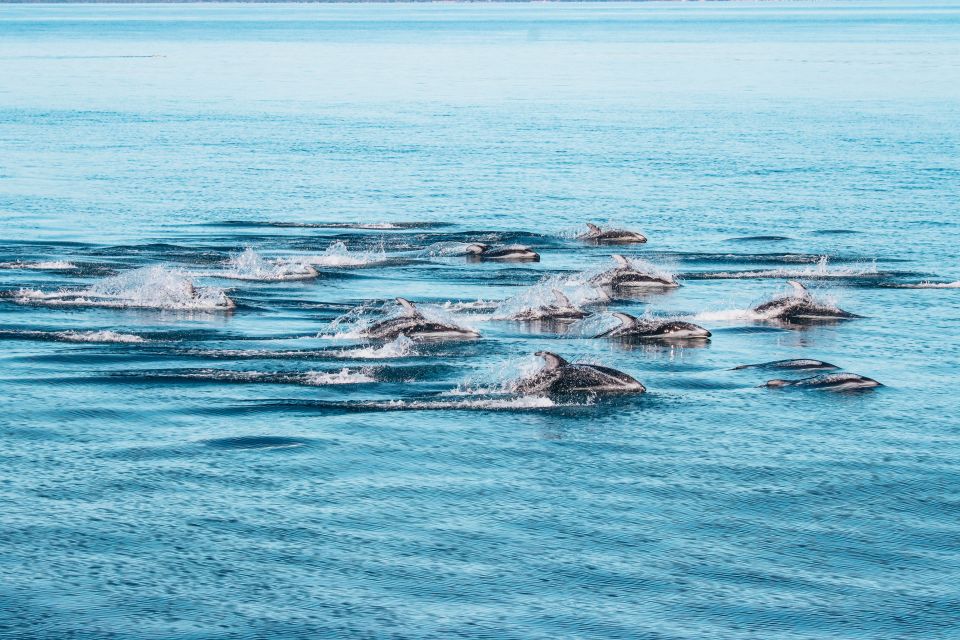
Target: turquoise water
{"x":190,"y":472}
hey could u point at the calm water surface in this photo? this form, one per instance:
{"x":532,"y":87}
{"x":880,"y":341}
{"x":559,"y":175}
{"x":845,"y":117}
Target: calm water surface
{"x":261,"y":473}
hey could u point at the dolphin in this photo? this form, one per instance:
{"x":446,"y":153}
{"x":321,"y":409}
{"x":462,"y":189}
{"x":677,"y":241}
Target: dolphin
{"x":626,"y":276}
{"x":511,"y":253}
{"x":561,"y":310}
{"x":799,"y":364}
{"x":559,"y":377}
{"x":611,"y":236}
{"x":632,"y":327}
{"x":800,"y":306}
{"x":828,"y":382}
{"x":415,"y":326}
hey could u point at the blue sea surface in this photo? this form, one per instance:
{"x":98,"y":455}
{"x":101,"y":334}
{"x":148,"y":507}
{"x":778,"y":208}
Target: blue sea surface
{"x":174,"y":470}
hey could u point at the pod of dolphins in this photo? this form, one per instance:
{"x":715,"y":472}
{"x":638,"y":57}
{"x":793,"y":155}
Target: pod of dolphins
{"x":560,"y":377}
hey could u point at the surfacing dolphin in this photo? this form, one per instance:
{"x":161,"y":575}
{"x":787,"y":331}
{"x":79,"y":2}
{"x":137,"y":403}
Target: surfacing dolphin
{"x":510,"y":253}
{"x":828,"y":382}
{"x":415,"y":326}
{"x":800,"y":306}
{"x":559,"y":377}
{"x":561,"y":310}
{"x":798,"y":364}
{"x":632,"y":327}
{"x":626,"y":275}
{"x":611,"y":236}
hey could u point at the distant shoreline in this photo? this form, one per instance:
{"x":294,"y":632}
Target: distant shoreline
{"x":370,"y":1}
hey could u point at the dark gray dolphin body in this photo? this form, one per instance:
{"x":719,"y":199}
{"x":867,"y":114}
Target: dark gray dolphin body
{"x":560,"y":377}
{"x":828,"y":382}
{"x":626,"y":276}
{"x":611,"y":236}
{"x":561,"y":310}
{"x":415,"y":326}
{"x":635,"y":328}
{"x":799,"y":364}
{"x":513,"y":253}
{"x":800,"y":306}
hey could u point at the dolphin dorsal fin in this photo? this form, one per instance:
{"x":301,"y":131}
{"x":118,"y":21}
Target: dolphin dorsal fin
{"x":408,"y":308}
{"x":798,"y":289}
{"x":593,"y":227}
{"x":562,"y":300}
{"x":620,"y":260}
{"x":626,"y":320}
{"x":553,"y":360}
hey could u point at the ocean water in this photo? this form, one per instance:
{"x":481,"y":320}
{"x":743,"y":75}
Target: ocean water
{"x":174,"y":469}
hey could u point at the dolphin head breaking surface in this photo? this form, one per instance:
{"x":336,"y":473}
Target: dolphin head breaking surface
{"x":560,"y":377}
{"x":414,"y":325}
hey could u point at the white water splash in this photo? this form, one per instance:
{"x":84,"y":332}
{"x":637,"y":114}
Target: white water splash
{"x":338,"y":255}
{"x":400,"y":347}
{"x":353,"y":324}
{"x":154,"y":287}
{"x":250,"y":265}
{"x":575,"y":287}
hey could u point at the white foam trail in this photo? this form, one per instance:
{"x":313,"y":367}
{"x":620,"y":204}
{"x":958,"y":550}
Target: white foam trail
{"x":931,"y":285}
{"x":338,"y":255}
{"x":523,"y":402}
{"x":312,"y":378}
{"x":154,"y":287}
{"x":58,"y":265}
{"x":728,"y":315}
{"x":821,"y":270}
{"x":249,"y":265}
{"x":344,"y":376}
{"x":99,"y":336}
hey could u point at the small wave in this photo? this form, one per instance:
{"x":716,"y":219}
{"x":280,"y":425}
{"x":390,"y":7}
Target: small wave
{"x":154,"y":287}
{"x":53,"y":265}
{"x":338,"y":255}
{"x":103,"y":336}
{"x":344,"y":376}
{"x":249,"y":265}
{"x":255,"y":442}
